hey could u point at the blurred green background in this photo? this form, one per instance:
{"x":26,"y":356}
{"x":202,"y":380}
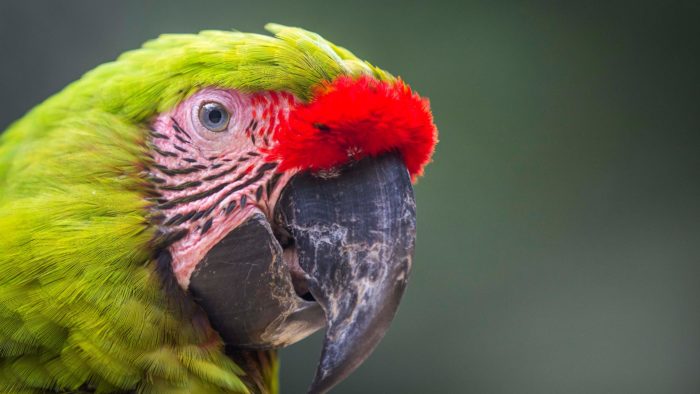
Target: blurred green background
{"x":559,"y":225}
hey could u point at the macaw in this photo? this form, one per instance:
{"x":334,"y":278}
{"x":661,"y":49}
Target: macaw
{"x":173,"y":217}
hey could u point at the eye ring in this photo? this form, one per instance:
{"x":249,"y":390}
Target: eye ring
{"x":214,"y":116}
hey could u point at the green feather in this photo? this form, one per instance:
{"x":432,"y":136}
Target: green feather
{"x":81,"y":304}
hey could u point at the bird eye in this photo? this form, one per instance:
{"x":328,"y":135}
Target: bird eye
{"x":214,"y":116}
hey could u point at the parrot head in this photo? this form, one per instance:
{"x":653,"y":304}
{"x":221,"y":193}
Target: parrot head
{"x":278,"y":179}
{"x":286,"y":215}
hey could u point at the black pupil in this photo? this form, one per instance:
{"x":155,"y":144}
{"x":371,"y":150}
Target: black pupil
{"x":215,"y":116}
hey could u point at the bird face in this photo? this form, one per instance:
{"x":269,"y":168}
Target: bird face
{"x":285,"y":216}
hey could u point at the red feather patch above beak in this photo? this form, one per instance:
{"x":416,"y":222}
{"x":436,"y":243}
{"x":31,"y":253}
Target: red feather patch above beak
{"x":351,"y":118}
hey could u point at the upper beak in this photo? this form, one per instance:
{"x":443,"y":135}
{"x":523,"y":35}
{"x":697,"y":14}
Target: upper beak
{"x":354,"y":236}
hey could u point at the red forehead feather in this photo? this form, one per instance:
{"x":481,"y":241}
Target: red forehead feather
{"x":350,"y":118}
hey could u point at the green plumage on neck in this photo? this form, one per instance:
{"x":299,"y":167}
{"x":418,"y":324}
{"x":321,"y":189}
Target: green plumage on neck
{"x":82,"y":306}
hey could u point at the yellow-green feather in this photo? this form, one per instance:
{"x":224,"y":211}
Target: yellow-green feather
{"x":81,"y":304}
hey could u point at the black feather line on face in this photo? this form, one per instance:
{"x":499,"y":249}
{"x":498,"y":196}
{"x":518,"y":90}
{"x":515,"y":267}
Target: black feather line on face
{"x":176,"y":171}
{"x":156,"y":134}
{"x":207,"y":226}
{"x":155,"y":179}
{"x":192,"y":197}
{"x":272,"y":183}
{"x":164,"y":240}
{"x":179,"y":129}
{"x":182,"y":186}
{"x":210,"y":209}
{"x":181,"y":139}
{"x":222,"y":173}
{"x":164,"y":153}
{"x":173,"y":220}
{"x":197,"y":215}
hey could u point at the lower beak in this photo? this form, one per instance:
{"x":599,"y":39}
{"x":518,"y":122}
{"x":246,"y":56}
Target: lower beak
{"x":354,"y":236}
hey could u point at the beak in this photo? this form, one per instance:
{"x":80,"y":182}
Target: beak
{"x":354,"y":236}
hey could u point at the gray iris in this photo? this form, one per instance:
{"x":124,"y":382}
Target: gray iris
{"x":214,"y":117}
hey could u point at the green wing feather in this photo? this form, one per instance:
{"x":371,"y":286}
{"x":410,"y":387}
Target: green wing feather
{"x":82,"y":306}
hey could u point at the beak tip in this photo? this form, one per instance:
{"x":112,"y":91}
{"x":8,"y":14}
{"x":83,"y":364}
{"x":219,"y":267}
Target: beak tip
{"x":349,"y":343}
{"x":331,"y":371}
{"x":319,"y":386}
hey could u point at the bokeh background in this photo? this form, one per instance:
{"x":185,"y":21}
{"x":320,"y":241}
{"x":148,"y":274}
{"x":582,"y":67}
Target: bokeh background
{"x":559,"y":225}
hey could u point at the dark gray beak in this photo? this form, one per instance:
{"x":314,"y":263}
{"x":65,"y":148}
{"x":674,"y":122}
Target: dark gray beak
{"x":354,"y":235}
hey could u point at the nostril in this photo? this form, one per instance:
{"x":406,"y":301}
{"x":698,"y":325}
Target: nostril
{"x":307,"y":296}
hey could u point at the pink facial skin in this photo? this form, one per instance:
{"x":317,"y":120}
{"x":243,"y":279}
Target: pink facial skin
{"x":211,"y":182}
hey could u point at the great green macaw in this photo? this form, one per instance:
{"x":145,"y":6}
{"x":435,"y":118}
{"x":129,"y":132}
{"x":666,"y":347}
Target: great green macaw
{"x":172,"y":217}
